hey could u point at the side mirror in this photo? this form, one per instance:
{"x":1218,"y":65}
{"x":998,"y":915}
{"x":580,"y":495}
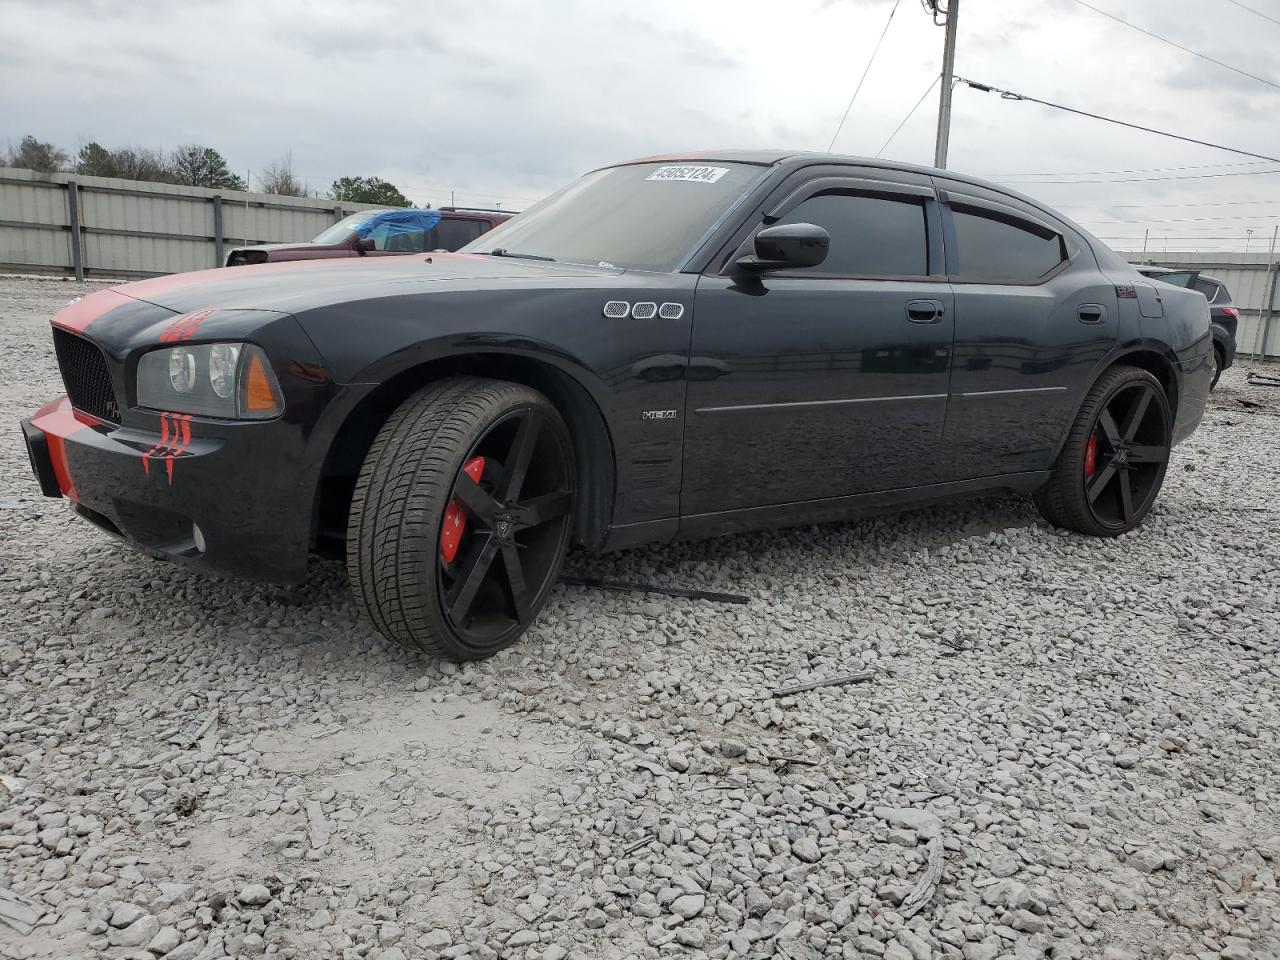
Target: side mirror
{"x":787,"y":246}
{"x":364,"y":245}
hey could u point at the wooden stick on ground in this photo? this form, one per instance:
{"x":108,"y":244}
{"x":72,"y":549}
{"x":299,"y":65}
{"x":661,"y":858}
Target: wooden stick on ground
{"x":922,"y":892}
{"x":829,"y":682}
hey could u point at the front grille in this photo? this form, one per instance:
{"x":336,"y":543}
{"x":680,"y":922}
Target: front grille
{"x":86,"y":377}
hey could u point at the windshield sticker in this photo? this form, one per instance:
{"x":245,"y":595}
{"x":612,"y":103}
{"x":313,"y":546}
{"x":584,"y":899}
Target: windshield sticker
{"x":689,"y":174}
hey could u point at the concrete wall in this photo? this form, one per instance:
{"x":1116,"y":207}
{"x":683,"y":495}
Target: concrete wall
{"x":1249,"y":278}
{"x":128,"y":228}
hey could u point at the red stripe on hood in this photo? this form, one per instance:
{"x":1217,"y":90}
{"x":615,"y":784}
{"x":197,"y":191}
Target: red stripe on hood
{"x":81,"y":312}
{"x":159,"y":286}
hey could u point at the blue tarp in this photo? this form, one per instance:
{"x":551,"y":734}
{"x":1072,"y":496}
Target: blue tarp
{"x":396,"y":222}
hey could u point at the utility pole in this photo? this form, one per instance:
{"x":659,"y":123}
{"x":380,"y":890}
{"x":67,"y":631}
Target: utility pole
{"x":944,"y":98}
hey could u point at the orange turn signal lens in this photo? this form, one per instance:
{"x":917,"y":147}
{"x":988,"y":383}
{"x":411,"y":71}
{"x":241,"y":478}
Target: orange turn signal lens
{"x":261,"y":397}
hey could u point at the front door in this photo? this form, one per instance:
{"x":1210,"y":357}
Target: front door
{"x":827,"y":381}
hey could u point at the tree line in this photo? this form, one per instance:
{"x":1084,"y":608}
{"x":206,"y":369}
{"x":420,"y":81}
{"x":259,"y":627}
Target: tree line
{"x":192,"y":165}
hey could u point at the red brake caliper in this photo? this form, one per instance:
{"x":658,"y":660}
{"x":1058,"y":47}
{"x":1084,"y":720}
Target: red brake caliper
{"x":455,"y":517}
{"x":1091,"y":457}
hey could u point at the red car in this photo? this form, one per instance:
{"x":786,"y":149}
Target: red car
{"x":380,"y":233}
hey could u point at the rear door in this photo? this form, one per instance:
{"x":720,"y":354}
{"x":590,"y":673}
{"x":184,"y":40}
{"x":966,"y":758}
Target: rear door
{"x":1033,"y":316}
{"x":823,"y":382}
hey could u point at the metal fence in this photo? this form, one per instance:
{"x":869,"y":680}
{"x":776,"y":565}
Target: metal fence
{"x":66,"y":224}
{"x":63,"y":223}
{"x":1251,"y":279}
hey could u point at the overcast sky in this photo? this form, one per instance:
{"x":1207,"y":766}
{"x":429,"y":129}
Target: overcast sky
{"x":501,"y":102}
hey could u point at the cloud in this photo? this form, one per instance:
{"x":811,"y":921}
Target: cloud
{"x":503,"y":101}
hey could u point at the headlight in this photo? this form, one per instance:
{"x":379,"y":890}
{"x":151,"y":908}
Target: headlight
{"x":223,"y":360}
{"x":229,"y":380}
{"x":182,"y":370}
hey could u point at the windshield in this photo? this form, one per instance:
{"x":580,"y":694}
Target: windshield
{"x":645,"y":216}
{"x":345,"y":227}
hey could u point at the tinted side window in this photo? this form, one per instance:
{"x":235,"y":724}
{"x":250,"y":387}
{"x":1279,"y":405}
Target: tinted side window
{"x":999,"y":251}
{"x":1208,"y":288}
{"x":870,"y":236}
{"x":1180,"y":279}
{"x":452,"y":234}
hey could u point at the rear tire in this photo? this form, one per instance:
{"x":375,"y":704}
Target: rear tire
{"x":1113,"y":464}
{"x":1219,"y":361}
{"x":495,"y":459}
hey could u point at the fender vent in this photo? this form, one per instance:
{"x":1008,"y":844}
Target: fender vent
{"x":671,"y":311}
{"x":616,"y":309}
{"x":644,"y":311}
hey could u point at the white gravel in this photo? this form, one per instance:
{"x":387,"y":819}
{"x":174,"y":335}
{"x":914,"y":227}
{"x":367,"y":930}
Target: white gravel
{"x":1080,"y":736}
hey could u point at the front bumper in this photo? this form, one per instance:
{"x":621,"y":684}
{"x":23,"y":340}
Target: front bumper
{"x":215,"y":492}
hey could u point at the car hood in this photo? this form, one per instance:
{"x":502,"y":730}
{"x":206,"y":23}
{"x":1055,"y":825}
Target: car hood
{"x":277,"y":247}
{"x":295,"y":286}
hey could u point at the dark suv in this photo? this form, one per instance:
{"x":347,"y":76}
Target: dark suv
{"x":1223,"y":316}
{"x":380,"y":233}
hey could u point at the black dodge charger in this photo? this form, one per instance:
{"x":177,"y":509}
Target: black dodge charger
{"x":680,"y":346}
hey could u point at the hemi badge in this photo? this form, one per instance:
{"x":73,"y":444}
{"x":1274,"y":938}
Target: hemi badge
{"x":658,"y":415}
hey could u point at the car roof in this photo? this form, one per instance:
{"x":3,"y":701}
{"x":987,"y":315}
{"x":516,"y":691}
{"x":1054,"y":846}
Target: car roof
{"x":807,"y":158}
{"x":804,"y":158}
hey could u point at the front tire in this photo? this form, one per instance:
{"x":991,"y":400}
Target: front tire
{"x":1113,"y":464}
{"x":461,"y":517}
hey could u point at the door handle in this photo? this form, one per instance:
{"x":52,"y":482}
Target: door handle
{"x":924,"y":311}
{"x":1091,"y":313}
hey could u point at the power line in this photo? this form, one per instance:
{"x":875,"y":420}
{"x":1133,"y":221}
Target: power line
{"x":1163,"y":237}
{"x":1173,"y":43}
{"x":1260,"y":216}
{"x":1151,"y":206}
{"x":910,"y":113}
{"x":1099,"y":173}
{"x":862,"y":79}
{"x":1010,"y":95}
{"x":1192,"y":176}
{"x":1257,"y":13}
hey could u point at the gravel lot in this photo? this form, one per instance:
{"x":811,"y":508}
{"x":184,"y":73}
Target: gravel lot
{"x":1081,"y":736}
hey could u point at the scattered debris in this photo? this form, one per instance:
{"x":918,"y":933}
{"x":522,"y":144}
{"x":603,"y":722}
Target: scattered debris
{"x":1262,"y":379}
{"x":195,"y":731}
{"x":923,"y":890}
{"x":19,"y":912}
{"x":632,"y":848}
{"x":786,"y":764}
{"x":599,"y":584}
{"x":859,"y":677}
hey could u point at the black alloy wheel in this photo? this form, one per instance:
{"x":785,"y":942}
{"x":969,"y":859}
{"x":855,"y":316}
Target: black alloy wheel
{"x":1130,"y":446}
{"x":1113,"y":464}
{"x":516,"y":522}
{"x":461,"y":517}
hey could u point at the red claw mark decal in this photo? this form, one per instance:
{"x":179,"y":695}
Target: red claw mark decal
{"x":455,"y":518}
{"x":185,"y":327}
{"x":175,"y":437}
